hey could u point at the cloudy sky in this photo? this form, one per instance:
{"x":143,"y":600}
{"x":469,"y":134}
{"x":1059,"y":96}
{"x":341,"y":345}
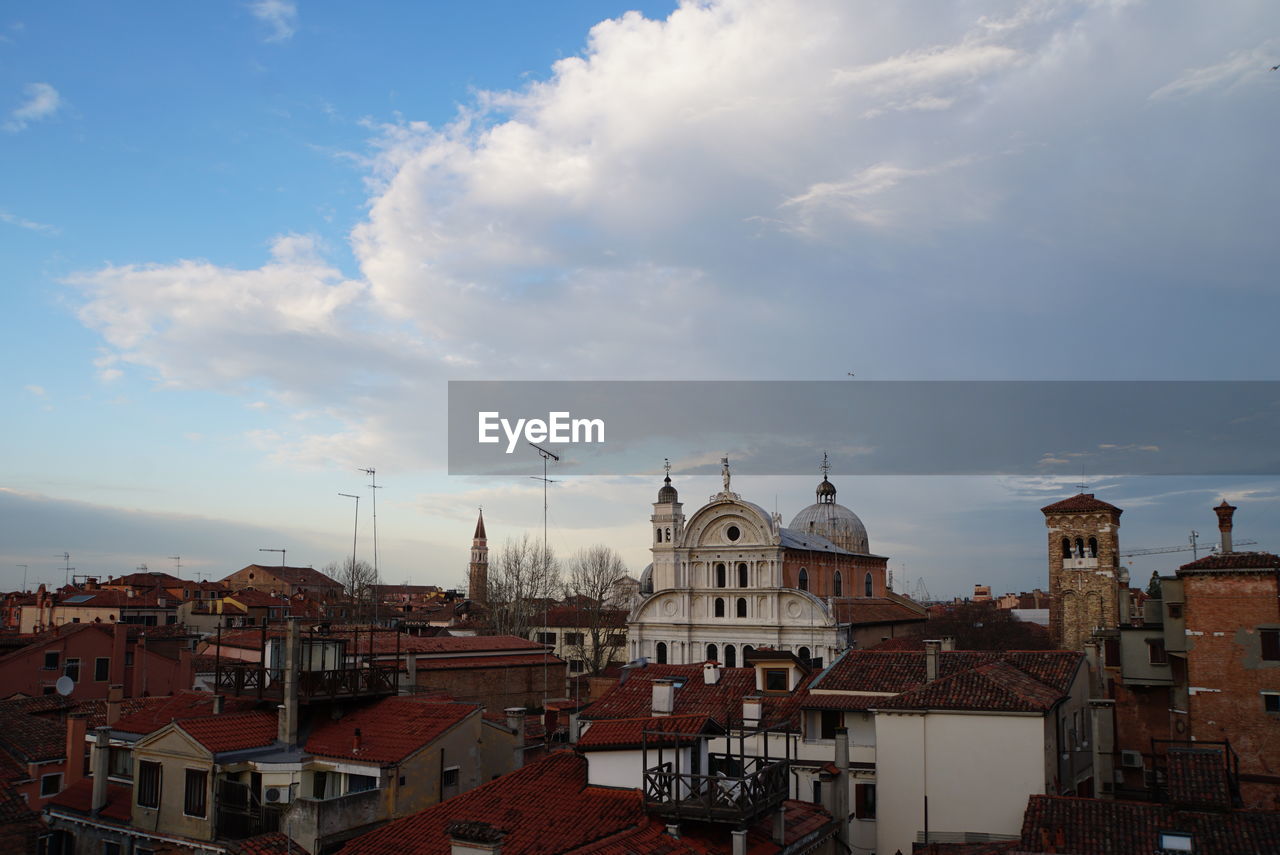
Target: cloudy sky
{"x":248,"y":243}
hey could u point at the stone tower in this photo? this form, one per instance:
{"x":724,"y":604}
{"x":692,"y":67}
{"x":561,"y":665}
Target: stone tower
{"x":478,"y":569}
{"x":668,"y":529}
{"x":1085,"y":576}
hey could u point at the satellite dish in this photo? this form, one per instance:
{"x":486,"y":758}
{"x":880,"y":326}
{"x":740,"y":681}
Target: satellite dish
{"x":65,"y":685}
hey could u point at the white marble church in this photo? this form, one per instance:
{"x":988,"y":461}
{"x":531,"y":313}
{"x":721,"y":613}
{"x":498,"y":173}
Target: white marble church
{"x":732,"y":578}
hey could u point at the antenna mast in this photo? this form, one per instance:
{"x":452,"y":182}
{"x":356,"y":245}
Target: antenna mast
{"x":66,"y":556}
{"x":281,"y":551}
{"x":177,"y":565}
{"x":545,"y":455}
{"x":377,"y":577}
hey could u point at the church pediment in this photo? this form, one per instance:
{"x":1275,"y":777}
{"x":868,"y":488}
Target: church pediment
{"x":730,"y":523}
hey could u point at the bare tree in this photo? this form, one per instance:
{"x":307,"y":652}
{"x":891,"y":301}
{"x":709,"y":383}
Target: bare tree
{"x":591,"y":591}
{"x":521,"y":579}
{"x":357,"y":579}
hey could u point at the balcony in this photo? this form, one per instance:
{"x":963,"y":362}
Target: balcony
{"x":738,"y":789}
{"x":251,"y":679}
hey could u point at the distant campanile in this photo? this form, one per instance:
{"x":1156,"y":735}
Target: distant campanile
{"x":478,"y":569}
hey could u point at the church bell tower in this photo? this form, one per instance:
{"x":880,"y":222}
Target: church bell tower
{"x":668,"y":529}
{"x":1085,"y":576}
{"x":478,"y":569}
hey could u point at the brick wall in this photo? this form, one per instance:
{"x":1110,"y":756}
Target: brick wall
{"x":1082,"y":598}
{"x":499,"y":687}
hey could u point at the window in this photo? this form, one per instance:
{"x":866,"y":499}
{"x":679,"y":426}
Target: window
{"x":1271,"y":702}
{"x":732,"y":532}
{"x":72,"y":670}
{"x":742,"y":607}
{"x":1176,"y":841}
{"x":616,"y":640}
{"x":802,"y":581}
{"x":1155,"y":652}
{"x":742,"y":575}
{"x":1066,"y":547}
{"x":1175,"y":610}
{"x":730,"y":656}
{"x":657,"y":533}
{"x":574,"y":638}
{"x":817,"y":792}
{"x":361,"y":783}
{"x":449,"y":777}
{"x":660,"y":653}
{"x":775,"y":680}
{"x":1079,"y":547}
{"x":720,"y":581}
{"x":577,"y":666}
{"x":719,"y":607}
{"x":148,"y":785}
{"x":868,"y":587}
{"x":120,"y":763}
{"x":712,"y":653}
{"x":319,"y":780}
{"x":828,"y":723}
{"x":1270,"y":644}
{"x":51,"y":660}
{"x":193,"y":804}
{"x":746,"y":651}
{"x":864,"y":801}
{"x":837,"y":585}
{"x":102,"y":669}
{"x":1111,"y":652}
{"x":1093,"y":547}
{"x":50,"y":785}
{"x":110,"y":847}
{"x":803,"y":655}
{"x":546,"y":638}
{"x":128,"y":659}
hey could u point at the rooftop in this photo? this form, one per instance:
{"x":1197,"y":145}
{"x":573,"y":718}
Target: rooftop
{"x":621,"y":733}
{"x":232,"y":731}
{"x":1079,"y":504}
{"x":390,"y":730}
{"x":1229,"y":561}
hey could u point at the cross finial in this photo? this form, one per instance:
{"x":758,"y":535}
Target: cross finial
{"x":826,"y":466}
{"x":666,"y":465}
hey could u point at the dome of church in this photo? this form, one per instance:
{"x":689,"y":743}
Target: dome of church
{"x":646,"y":580}
{"x":667,"y":493}
{"x":835,"y":522}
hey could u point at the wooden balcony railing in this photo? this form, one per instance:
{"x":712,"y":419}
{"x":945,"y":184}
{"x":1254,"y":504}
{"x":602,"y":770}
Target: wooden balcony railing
{"x":721,"y":796}
{"x":250,"y":679}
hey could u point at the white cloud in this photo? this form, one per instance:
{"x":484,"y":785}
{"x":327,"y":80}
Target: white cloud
{"x":1242,"y":67}
{"x":42,"y":102}
{"x":281,"y":16}
{"x":22,"y":223}
{"x":37,"y":391}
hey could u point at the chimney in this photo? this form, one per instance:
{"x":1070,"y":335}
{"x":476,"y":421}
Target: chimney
{"x":288,"y":723}
{"x":711,"y":673}
{"x":664,"y":696}
{"x":841,"y":801}
{"x":77,"y":726}
{"x":101,"y":767}
{"x":411,"y":671}
{"x":119,"y":652}
{"x":948,"y":643}
{"x":740,"y":841}
{"x":575,"y":728}
{"x":474,"y":838}
{"x":932,"y":647}
{"x":1225,"y":512}
{"x":186,"y":669}
{"x":356,"y":741}
{"x":219,"y":703}
{"x":752,"y":710}
{"x":673,"y":830}
{"x":115,"y":694}
{"x":515,"y":721}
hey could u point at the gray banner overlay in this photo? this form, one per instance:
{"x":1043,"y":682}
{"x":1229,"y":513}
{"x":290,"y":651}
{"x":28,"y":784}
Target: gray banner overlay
{"x":869,"y":427}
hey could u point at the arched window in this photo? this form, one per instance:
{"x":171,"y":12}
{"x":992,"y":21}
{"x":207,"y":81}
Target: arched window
{"x":1079,"y":547}
{"x":868,"y":588}
{"x":803,"y":580}
{"x":803,"y":655}
{"x":837,"y":585}
{"x":1093,"y":547}
{"x":1066,"y":547}
{"x":742,"y":607}
{"x":660,"y":653}
{"x":730,"y":656}
{"x":742,"y":575}
{"x":720,"y":580}
{"x":712,"y":653}
{"x":747,"y":650}
{"x":668,"y":535}
{"x":658,"y":535}
{"x":719,"y":606}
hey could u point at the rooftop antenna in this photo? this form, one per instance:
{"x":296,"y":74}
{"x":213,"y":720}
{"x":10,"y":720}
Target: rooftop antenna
{"x":377,"y":577}
{"x":24,"y":576}
{"x":355,"y":526}
{"x":66,"y":556}
{"x":281,"y":551}
{"x":825,"y":467}
{"x":1083,"y":485}
{"x":177,"y":565}
{"x":545,"y":455}
{"x":141,"y":568}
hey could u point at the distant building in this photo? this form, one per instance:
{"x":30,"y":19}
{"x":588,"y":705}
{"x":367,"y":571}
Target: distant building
{"x":478,"y":569}
{"x":285,"y":580}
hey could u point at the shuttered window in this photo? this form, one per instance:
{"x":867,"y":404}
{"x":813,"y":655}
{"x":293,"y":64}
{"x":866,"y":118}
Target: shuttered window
{"x":193,"y":803}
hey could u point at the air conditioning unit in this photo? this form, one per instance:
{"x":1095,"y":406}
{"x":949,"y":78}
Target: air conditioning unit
{"x":277,"y":795}
{"x":1131,"y":759}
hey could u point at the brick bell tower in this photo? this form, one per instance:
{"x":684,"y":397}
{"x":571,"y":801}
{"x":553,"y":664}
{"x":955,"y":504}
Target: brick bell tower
{"x":1085,"y":575}
{"x":478,"y":569}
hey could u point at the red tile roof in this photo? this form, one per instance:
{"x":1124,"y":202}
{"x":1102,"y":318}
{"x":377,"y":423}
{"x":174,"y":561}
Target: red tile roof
{"x":610,"y":734}
{"x":1087,"y":826}
{"x":1080,"y":503}
{"x":1227,"y":561}
{"x":79,"y":798}
{"x":292,"y":575}
{"x":390,"y":730}
{"x":150,"y":714}
{"x":232,"y":731}
{"x":253,"y":598}
{"x":873,"y":610}
{"x":271,"y":843}
{"x":1198,"y":778}
{"x":901,"y":671}
{"x":515,"y":661}
{"x":997,"y":686}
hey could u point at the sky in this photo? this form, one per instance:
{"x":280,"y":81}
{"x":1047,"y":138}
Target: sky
{"x":247,"y":245}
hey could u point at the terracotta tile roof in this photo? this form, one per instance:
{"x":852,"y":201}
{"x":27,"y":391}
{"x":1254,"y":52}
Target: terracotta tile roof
{"x":253,"y":598}
{"x":852,"y":703}
{"x":232,"y":731}
{"x":997,"y":686}
{"x":151,"y":714}
{"x":79,"y":798}
{"x":149,"y":579}
{"x":515,"y":661}
{"x":1225,"y":561}
{"x":873,"y":610}
{"x":722,"y":702}
{"x":1087,"y":826}
{"x":292,"y":575}
{"x":1198,"y":778}
{"x":14,"y":810}
{"x":271,"y":843}
{"x":901,"y":671}
{"x":633,"y":732}
{"x":390,"y":730}
{"x":28,"y":737}
{"x":1079,"y":504}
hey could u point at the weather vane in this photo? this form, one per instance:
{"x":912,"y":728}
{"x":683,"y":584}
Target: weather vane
{"x":826,"y":466}
{"x":666,"y":464}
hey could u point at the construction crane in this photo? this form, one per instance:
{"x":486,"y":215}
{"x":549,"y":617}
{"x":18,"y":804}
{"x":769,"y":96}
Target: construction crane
{"x":1192,"y":546}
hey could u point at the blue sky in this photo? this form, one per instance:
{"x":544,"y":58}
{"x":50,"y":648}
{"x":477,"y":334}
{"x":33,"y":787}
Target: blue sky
{"x":247,"y":243}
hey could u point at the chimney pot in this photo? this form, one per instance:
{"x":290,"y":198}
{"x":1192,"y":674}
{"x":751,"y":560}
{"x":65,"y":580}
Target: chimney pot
{"x":932,"y":647}
{"x":1225,"y":513}
{"x":100,"y":763}
{"x":664,"y":697}
{"x":356,"y":741}
{"x":711,"y":673}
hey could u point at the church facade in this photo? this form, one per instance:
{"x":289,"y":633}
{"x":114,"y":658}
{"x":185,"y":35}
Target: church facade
{"x":731,"y":578}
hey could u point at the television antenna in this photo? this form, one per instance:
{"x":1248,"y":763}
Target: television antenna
{"x":355,"y":526}
{"x":177,"y":565}
{"x":377,"y":578}
{"x":24,"y":576}
{"x":66,"y":557}
{"x":546,"y":555}
{"x":281,"y":551}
